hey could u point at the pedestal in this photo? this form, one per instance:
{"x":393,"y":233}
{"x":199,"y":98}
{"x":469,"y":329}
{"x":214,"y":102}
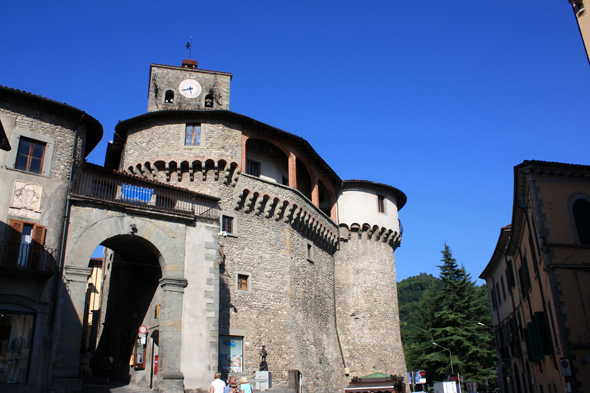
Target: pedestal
{"x":263,"y":380}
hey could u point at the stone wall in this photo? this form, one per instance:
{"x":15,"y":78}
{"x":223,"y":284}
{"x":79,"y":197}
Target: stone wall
{"x":368,"y":315}
{"x":165,"y":78}
{"x":165,"y":142}
{"x":290,"y":307}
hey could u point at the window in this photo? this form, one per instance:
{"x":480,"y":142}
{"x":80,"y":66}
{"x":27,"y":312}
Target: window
{"x":30,"y":155}
{"x":230,"y":354}
{"x":581,"y":213}
{"x":243,"y":282}
{"x":227,"y":224}
{"x":169,"y":97}
{"x":209,"y":99}
{"x":309,"y":251}
{"x":498,"y":294}
{"x":192,"y":135}
{"x":252,"y":168}
{"x":16,"y":335}
{"x":24,"y":248}
{"x":503,"y":287}
{"x":380,"y":203}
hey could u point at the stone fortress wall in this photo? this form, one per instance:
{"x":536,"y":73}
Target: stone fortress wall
{"x":322,"y":299}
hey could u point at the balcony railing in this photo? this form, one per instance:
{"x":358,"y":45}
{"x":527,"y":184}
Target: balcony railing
{"x":27,"y":258}
{"x":144,"y":195}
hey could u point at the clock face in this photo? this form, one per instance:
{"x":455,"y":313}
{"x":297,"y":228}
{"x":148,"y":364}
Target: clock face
{"x":190,"y":88}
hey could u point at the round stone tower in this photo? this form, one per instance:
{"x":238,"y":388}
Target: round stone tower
{"x":366,"y":289}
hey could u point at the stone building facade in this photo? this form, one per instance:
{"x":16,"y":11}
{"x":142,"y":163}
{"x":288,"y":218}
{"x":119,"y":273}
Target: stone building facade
{"x":225,"y":235}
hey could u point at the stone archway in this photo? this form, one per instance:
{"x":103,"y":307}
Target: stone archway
{"x":89,"y":227}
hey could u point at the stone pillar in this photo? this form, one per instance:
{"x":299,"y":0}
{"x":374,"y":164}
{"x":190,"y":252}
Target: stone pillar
{"x":68,"y":329}
{"x":171,"y":378}
{"x":315,"y":191}
{"x":244,"y":140}
{"x":292,"y":170}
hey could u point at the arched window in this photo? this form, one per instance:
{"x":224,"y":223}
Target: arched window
{"x":169,"y":97}
{"x":581,"y":215}
{"x":209,"y":99}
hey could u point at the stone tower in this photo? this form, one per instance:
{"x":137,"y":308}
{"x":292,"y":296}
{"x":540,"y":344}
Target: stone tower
{"x":187,"y":87}
{"x":366,"y":288}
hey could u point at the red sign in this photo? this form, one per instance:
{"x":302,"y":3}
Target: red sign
{"x":143,"y":329}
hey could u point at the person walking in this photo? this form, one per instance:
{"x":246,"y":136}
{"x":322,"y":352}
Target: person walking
{"x":217,"y":386}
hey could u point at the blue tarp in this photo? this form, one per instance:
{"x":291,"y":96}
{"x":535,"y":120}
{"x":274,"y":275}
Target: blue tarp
{"x":136,"y":194}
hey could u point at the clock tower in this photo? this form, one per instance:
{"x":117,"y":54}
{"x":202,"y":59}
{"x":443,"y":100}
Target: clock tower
{"x":187,"y":88}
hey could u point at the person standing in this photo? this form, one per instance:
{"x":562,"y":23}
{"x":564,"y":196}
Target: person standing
{"x":217,"y":386}
{"x":245,"y":386}
{"x":231,"y":380}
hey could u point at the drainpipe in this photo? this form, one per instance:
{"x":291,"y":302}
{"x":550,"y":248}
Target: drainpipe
{"x":57,"y":279}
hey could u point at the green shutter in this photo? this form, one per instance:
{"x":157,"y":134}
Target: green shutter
{"x":544,"y":333}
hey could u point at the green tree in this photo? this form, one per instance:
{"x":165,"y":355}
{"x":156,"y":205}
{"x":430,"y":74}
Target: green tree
{"x":449,"y":317}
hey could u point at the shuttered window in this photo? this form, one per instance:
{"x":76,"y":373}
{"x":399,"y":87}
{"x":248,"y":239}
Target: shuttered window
{"x":25,"y":245}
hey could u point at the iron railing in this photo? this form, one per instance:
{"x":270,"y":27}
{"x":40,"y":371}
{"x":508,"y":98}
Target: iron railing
{"x":144,"y":195}
{"x":24,"y":257}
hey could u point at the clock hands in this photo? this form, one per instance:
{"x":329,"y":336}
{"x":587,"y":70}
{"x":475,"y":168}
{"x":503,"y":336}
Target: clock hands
{"x":188,"y":88}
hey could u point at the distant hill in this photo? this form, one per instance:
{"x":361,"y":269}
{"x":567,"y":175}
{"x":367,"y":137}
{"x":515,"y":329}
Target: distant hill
{"x":410,"y":290}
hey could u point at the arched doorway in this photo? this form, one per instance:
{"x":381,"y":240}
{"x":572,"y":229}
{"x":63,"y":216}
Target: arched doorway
{"x":149,"y":257}
{"x":131,"y":297}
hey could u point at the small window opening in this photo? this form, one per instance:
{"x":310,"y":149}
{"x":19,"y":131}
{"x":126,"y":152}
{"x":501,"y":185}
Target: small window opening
{"x":252,"y":168}
{"x":381,"y":203}
{"x":192,"y":135}
{"x":30,"y":156}
{"x":309,"y":251}
{"x":227,"y":224}
{"x":243,"y":282}
{"x":169,"y":97}
{"x":209,"y":99}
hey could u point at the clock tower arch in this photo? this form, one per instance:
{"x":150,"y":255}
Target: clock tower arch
{"x":187,"y":88}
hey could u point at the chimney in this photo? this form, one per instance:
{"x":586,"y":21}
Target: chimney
{"x":190,"y":64}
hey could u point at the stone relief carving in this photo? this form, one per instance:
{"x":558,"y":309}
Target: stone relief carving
{"x":26,"y":200}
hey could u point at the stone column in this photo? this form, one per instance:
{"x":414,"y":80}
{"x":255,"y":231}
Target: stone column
{"x":292,"y":170}
{"x":244,"y":140}
{"x":68,"y":328}
{"x":315,"y":191}
{"x":172,"y":379}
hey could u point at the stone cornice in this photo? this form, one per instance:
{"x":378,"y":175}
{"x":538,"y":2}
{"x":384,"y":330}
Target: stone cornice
{"x":371,"y":232}
{"x":281,"y":209}
{"x":173,"y":284}
{"x":77,"y":273}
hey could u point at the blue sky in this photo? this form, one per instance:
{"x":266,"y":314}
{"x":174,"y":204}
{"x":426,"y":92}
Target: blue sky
{"x":439,"y":99}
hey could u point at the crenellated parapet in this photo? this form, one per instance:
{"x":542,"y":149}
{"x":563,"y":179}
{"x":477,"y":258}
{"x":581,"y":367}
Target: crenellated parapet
{"x":370,"y":233}
{"x":199,"y":169}
{"x":302,"y":219}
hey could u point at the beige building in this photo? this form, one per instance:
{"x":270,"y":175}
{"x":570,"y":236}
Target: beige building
{"x":583,"y":20}
{"x":538,"y":281}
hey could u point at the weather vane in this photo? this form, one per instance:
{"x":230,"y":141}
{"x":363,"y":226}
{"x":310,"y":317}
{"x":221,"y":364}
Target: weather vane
{"x":189,"y":47}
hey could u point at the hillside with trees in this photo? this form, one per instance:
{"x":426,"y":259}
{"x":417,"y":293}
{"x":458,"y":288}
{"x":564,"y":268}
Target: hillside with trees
{"x":446,"y":310}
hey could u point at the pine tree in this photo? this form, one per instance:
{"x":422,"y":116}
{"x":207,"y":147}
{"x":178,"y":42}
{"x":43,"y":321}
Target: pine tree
{"x":449,"y":318}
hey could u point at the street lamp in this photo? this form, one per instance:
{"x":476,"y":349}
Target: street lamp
{"x":450,"y":356}
{"x":481,"y":324}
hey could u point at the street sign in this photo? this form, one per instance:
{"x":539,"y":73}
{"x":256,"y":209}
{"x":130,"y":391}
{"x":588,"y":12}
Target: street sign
{"x":566,"y":370}
{"x":143,"y":329}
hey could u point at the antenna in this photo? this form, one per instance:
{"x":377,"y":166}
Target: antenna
{"x":189,"y":47}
